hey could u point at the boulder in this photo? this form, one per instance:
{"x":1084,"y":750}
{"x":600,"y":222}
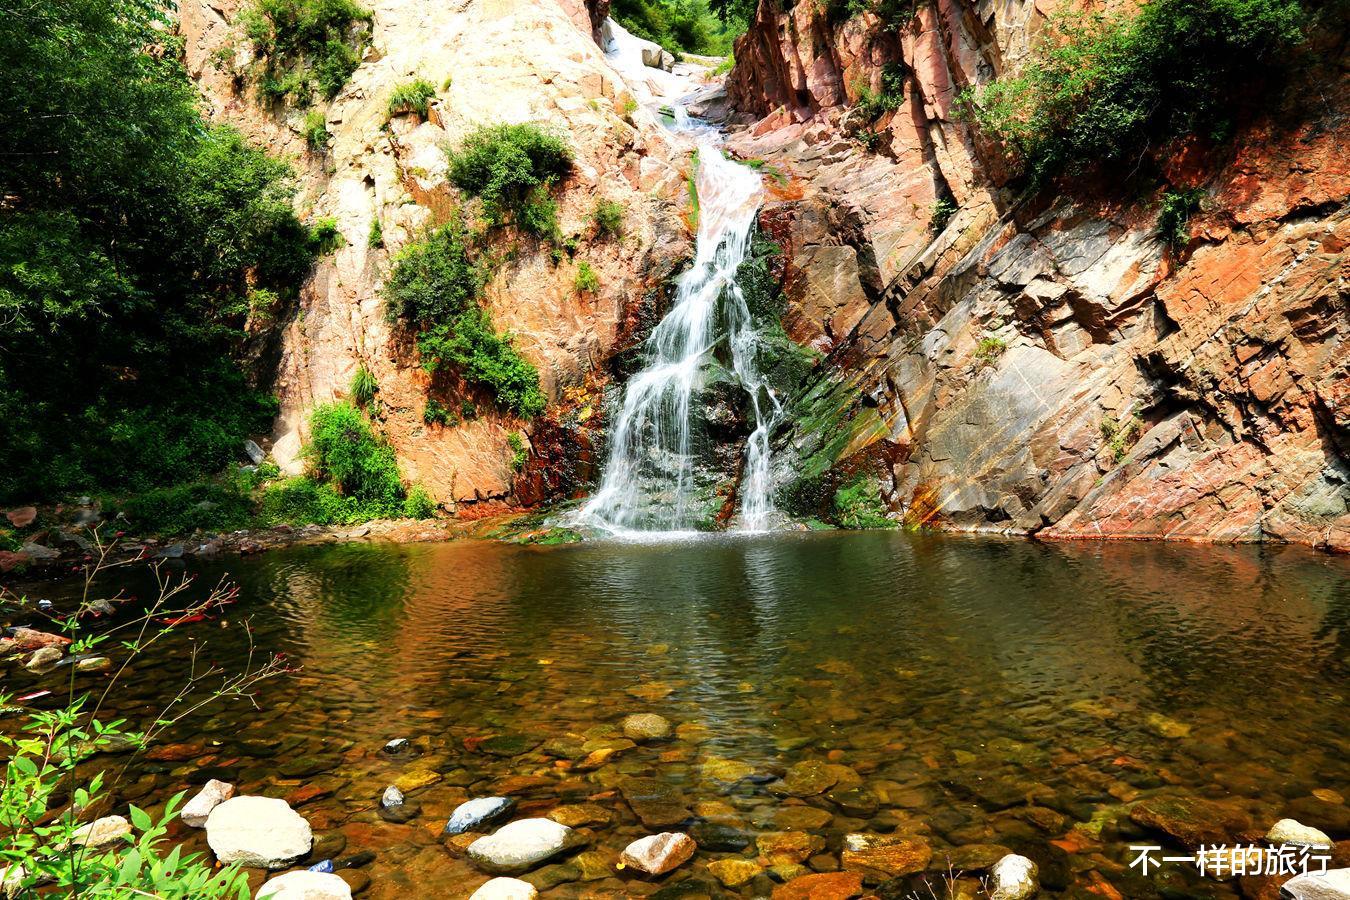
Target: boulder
{"x":212,"y":794}
{"x":31,"y":639}
{"x":22,"y":517}
{"x":305,"y":885}
{"x":519,"y":846}
{"x":505,"y":889}
{"x":1013,"y":878}
{"x":658,"y":854}
{"x":1331,"y":885}
{"x":1191,"y":820}
{"x":643,"y":727}
{"x":1290,"y":831}
{"x":255,"y":453}
{"x":257,"y":832}
{"x":43,"y":660}
{"x":38,"y":551}
{"x":885,"y":856}
{"x":479,"y":814}
{"x":101,"y":833}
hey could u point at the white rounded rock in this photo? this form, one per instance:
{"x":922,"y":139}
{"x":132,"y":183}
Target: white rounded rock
{"x":519,"y":846}
{"x":1014,"y":878}
{"x":101,"y":833}
{"x":1291,"y":831}
{"x":657,"y":854}
{"x":305,"y":885}
{"x":1334,"y":884}
{"x":257,"y":832}
{"x":212,"y":794}
{"x":505,"y":889}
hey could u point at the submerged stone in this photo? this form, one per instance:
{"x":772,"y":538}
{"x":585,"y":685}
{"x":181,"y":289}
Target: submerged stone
{"x":642,"y":727}
{"x":735,"y":872}
{"x":654,"y":801}
{"x":886,"y":856}
{"x":823,"y":886}
{"x":1014,"y":878}
{"x":1190,"y":820}
{"x":479,"y":814}
{"x":519,"y":846}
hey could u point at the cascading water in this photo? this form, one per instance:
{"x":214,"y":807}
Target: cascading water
{"x":649,"y":478}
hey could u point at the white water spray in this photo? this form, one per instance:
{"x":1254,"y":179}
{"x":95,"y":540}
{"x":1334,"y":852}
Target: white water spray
{"x":649,"y":478}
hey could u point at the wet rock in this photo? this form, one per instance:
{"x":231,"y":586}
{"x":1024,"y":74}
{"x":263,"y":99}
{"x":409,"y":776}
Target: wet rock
{"x":479,"y":814}
{"x":40,"y":552}
{"x":1166,"y":727}
{"x":549,"y":877}
{"x":719,"y":838}
{"x":305,"y":885}
{"x":355,"y":860}
{"x":824,"y":886}
{"x":808,"y":778}
{"x":885,"y":856}
{"x":416,"y":780}
{"x":23,"y":639}
{"x":794,"y":818}
{"x":404,"y":812}
{"x":726,"y":770}
{"x":398,"y":747}
{"x":212,"y":794}
{"x":392,"y":796}
{"x":519,"y":846}
{"x":93,"y":664}
{"x":658,"y":854}
{"x":22,"y":517}
{"x":574,"y":816}
{"x":43,"y":660}
{"x":643,"y":727}
{"x":1290,"y":831}
{"x":304,"y":766}
{"x":509,"y":745}
{"x":789,"y":847}
{"x":505,"y":889}
{"x":733,"y":873}
{"x":968,"y":858}
{"x":255,"y":454}
{"x":357,"y":880}
{"x":857,"y":801}
{"x":1331,"y":885}
{"x":655,"y":802}
{"x":1013,"y":878}
{"x":1191,"y":820}
{"x":327,"y":847}
{"x":257,"y":832}
{"x":101,"y":833}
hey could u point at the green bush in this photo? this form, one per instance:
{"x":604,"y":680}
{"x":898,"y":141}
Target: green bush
{"x":363,"y":386}
{"x":608,"y":218}
{"x":434,"y":288}
{"x":890,"y":96}
{"x":679,"y":26}
{"x":412,"y":97}
{"x":518,"y":455}
{"x":433,"y":279}
{"x":344,"y":452}
{"x":482,"y":356}
{"x":1174,"y":215}
{"x":1103,"y":86}
{"x":510,"y":168}
{"x":183,"y":509}
{"x":375,"y":238}
{"x":305,"y":44}
{"x":943,"y":210}
{"x":419,"y":504}
{"x":586,"y":281}
{"x":437,"y":413}
{"x":316,"y":131}
{"x":858,"y":504}
{"x":304,"y":501}
{"x":325,"y":237}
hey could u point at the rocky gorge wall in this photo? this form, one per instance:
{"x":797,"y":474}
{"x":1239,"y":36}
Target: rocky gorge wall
{"x":1049,"y":364}
{"x":492,"y":61}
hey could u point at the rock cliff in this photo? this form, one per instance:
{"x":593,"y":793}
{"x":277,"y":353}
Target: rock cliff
{"x":1049,"y":363}
{"x":491,"y":61}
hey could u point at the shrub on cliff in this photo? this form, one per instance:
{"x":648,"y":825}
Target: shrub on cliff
{"x":483,"y":356}
{"x":306,"y":44}
{"x":510,"y":168}
{"x":1102,"y":87}
{"x":344,"y":452}
{"x":434,"y":278}
{"x":413,"y":97}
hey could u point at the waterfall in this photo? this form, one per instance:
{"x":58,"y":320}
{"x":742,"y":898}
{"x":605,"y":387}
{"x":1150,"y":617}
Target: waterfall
{"x":648,"y":483}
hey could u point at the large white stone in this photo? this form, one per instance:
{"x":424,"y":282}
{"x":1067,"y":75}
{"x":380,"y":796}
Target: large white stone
{"x":1013,"y":878}
{"x":212,"y":794}
{"x":505,"y":889}
{"x":1291,"y":831}
{"x":657,"y":854}
{"x":305,"y":885}
{"x":519,"y":846}
{"x":1330,"y":885}
{"x":258,"y":832}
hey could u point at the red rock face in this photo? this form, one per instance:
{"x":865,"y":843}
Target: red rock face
{"x":1049,"y":365}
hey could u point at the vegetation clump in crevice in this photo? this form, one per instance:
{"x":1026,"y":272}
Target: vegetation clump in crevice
{"x":1121,"y":435}
{"x":433,"y":289}
{"x":1174,"y":215}
{"x":1104,"y":87}
{"x":586,"y":281}
{"x":412,"y":97}
{"x":943,"y":210}
{"x":607,"y":217}
{"x":888,"y":98}
{"x":306,"y":46}
{"x":859,"y":504}
{"x":511,"y":169}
